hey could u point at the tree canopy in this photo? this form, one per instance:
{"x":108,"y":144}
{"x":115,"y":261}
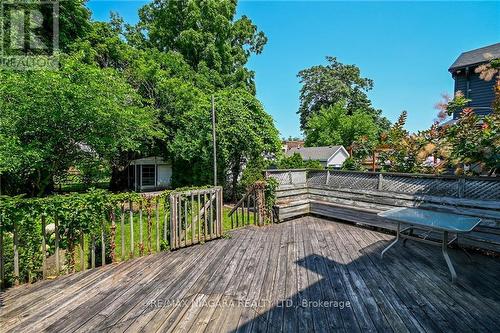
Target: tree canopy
{"x":206,"y":34}
{"x":245,"y":132}
{"x":51,"y":121}
{"x":336,"y":84}
{"x":129,"y":91}
{"x":333,"y":125}
{"x":295,"y":161}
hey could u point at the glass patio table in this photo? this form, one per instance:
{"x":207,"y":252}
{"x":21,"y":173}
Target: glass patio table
{"x":427,"y":220}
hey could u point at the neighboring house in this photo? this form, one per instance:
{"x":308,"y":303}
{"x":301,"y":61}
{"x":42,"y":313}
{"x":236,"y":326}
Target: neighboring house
{"x":480,"y":92}
{"x":149,"y":174}
{"x":289,"y":144}
{"x":331,"y":156}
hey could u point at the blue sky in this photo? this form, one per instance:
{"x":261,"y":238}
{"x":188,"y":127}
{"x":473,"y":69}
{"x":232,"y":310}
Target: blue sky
{"x":405,"y":47}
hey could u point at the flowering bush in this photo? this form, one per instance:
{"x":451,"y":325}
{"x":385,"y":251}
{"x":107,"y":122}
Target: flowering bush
{"x":476,"y":141}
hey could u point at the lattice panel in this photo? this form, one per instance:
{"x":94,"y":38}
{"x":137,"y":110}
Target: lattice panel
{"x":431,"y":186}
{"x":282,"y":177}
{"x":316,"y":177}
{"x":450,"y":187}
{"x":356,"y":181}
{"x":482,"y":189}
{"x":299,"y":177}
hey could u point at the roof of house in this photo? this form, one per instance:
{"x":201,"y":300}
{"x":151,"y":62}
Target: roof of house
{"x":315,"y":153}
{"x":476,"y":56}
{"x":293,"y":143}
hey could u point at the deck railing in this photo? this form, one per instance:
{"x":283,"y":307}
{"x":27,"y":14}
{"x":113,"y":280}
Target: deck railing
{"x":244,"y":211}
{"x":195,"y":217}
{"x":251,"y":208}
{"x":358,"y":197}
{"x":481,"y":188}
{"x":127,"y":226}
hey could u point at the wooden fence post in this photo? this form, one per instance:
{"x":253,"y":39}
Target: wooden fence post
{"x":461,"y":187}
{"x":260,"y":205}
{"x":113,"y":234}
{"x":141,"y":237}
{"x":221,"y":212}
{"x":150,"y":223}
{"x":103,"y":244}
{"x":199,"y":217}
{"x":56,"y":226}
{"x":192,"y":218}
{"x":122,"y":230}
{"x":173,"y":219}
{"x":2,"y":276}
{"x":16,"y":256}
{"x":131,"y":220}
{"x":44,"y":249}
{"x":165,"y":220}
{"x":205,"y":225}
{"x":380,"y":186}
{"x":82,"y":250}
{"x":157,"y":218}
{"x":92,"y":255}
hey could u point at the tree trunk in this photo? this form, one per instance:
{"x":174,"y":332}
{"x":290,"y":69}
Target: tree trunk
{"x":42,"y":183}
{"x":119,"y":179}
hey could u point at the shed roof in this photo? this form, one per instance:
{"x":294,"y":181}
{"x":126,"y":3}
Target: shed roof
{"x":477,"y":56}
{"x":314,"y":153}
{"x":149,"y":160}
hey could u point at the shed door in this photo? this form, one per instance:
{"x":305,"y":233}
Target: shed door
{"x":164,"y":174}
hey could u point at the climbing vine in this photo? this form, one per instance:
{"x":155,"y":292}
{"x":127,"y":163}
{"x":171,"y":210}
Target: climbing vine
{"x":75,"y":215}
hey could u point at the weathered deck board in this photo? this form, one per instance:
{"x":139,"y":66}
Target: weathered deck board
{"x":304,"y":260}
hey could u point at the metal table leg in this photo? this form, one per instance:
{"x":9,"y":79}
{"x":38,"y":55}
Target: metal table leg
{"x":447,"y":257}
{"x":393,"y":243}
{"x":409,"y":234}
{"x":464,"y":250}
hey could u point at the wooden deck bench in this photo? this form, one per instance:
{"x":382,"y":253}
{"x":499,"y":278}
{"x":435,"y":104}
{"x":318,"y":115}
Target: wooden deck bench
{"x":362,"y":201}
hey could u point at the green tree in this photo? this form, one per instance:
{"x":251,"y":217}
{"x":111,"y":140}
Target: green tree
{"x":53,"y":120}
{"x":245,"y":132}
{"x":334,"y":126}
{"x":73,"y":17}
{"x":295,"y":161}
{"x":353,"y":164}
{"x":152,"y":81}
{"x":161,"y":58}
{"x":324,"y":86}
{"x":473,"y":142}
{"x":206,"y":34}
{"x":291,"y":162}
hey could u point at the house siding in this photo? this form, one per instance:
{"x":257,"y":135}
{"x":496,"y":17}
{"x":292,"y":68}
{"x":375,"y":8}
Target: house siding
{"x":480,"y":92}
{"x":338,"y":158}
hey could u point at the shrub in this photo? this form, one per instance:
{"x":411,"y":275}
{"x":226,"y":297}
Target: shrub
{"x":353,"y":164}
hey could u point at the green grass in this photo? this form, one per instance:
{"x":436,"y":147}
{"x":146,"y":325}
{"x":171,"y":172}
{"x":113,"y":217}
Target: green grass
{"x":227,"y":219}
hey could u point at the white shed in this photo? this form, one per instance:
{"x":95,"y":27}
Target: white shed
{"x":149,"y":174}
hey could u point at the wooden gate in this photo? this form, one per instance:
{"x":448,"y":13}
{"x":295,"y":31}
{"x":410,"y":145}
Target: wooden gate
{"x":196,"y":216}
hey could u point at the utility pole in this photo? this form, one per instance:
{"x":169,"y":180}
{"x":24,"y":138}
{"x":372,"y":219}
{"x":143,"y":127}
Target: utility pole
{"x":214,"y":141}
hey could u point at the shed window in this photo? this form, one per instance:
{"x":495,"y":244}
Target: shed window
{"x":148,"y":175}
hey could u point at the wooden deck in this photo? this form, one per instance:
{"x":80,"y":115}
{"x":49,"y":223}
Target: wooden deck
{"x":303,"y":275}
